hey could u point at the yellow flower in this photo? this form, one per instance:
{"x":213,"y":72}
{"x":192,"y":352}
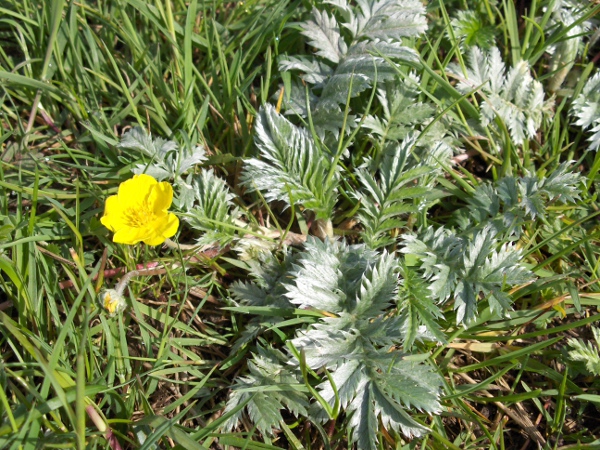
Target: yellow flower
{"x":138,"y":213}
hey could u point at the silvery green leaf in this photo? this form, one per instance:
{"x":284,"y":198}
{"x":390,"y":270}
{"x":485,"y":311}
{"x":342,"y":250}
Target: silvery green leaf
{"x":389,"y":49}
{"x":586,"y":107}
{"x":346,"y":376}
{"x":508,"y":203}
{"x":326,"y":118}
{"x":292,"y":168}
{"x":139,"y":140}
{"x":379,"y":332}
{"x":324,"y":347}
{"x":586,"y":352}
{"x":401,"y":110}
{"x":389,"y":19}
{"x":317,"y":285}
{"x":328,"y":275}
{"x":154,"y":170}
{"x":387,"y":386}
{"x":394,"y":417}
{"x":354,"y":65}
{"x":444,"y":280}
{"x":329,"y":117}
{"x":409,"y":383}
{"x":339,"y":85}
{"x":507,"y":191}
{"x":562,"y":184}
{"x":167,"y":159}
{"x":251,"y":248}
{"x":417,"y":309}
{"x":484,"y":69}
{"x":385,"y":199}
{"x":465,"y":302}
{"x":313,"y":71}
{"x":187,"y":194}
{"x":376,"y":124}
{"x":378,"y":287}
{"x":264,"y":411}
{"x":324,"y":34}
{"x":358,"y":287}
{"x":363,"y":421}
{"x":531,"y":201}
{"x":270,"y":387}
{"x":213,"y":211}
{"x":512,"y":95}
{"x":254,"y":295}
{"x":438,"y":155}
{"x":342,"y":7}
{"x":188,"y":160}
{"x":468,"y":267}
{"x":270,"y":278}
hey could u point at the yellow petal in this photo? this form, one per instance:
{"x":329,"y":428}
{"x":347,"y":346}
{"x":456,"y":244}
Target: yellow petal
{"x":161,"y":197}
{"x":172,"y":226}
{"x":134,"y":192}
{"x":162,"y":228}
{"x":154,"y":240}
{"x":113,"y":214}
{"x":130,"y":235}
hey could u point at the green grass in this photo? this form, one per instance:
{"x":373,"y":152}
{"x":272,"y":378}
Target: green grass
{"x":75,"y":75}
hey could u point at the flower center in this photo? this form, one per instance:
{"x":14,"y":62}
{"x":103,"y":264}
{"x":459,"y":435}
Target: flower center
{"x":138,"y":217}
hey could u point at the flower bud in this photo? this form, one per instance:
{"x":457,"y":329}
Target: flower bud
{"x":113,"y":301}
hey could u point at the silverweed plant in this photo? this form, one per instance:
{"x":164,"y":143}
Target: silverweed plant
{"x":335,"y":224}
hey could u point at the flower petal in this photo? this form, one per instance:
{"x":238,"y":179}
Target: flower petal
{"x":161,"y":197}
{"x":131,"y":235}
{"x":163,"y":228}
{"x":172,"y":226}
{"x":154,"y":240}
{"x":133,"y":192}
{"x":113,"y":214}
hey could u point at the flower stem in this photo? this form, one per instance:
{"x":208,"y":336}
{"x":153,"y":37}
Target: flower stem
{"x":123,"y":282}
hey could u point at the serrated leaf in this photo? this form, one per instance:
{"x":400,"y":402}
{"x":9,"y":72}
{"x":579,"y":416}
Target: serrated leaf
{"x":586,"y":352}
{"x":363,"y":421}
{"x":514,"y":97}
{"x":562,"y":184}
{"x":324,"y":35}
{"x":377,"y":28}
{"x":507,"y":204}
{"x":471,"y":30}
{"x":409,"y":383}
{"x":417,"y":309}
{"x":467,"y":268}
{"x":269,"y":287}
{"x":389,"y":19}
{"x":292,"y":168}
{"x":394,"y":416}
{"x":378,"y":287}
{"x":384,"y":200}
{"x":328,"y":275}
{"x":167,"y":159}
{"x":279,"y":391}
{"x":586,"y":107}
{"x":325,"y":346}
{"x":313,"y":71}
{"x":213,"y":211}
{"x":352,"y":343}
